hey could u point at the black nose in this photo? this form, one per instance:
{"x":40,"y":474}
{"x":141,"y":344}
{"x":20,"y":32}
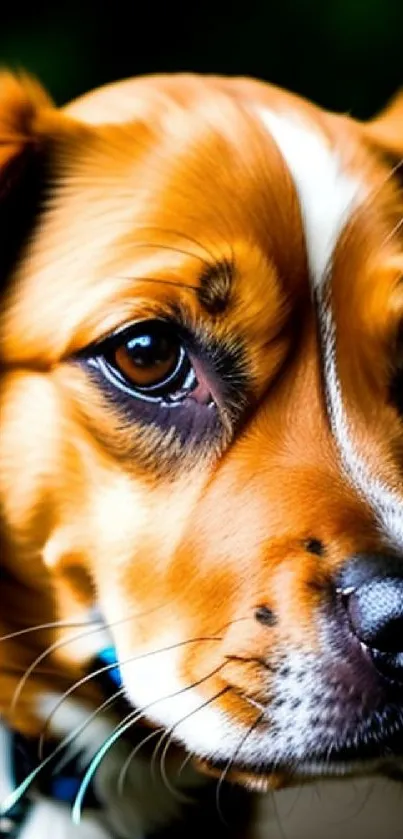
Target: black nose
{"x":372,"y":591}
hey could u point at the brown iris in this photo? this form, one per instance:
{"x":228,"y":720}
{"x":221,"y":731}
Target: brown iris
{"x":149,"y":358}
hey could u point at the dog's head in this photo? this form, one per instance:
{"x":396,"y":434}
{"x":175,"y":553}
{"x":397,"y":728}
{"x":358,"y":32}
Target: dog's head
{"x":201,"y":430}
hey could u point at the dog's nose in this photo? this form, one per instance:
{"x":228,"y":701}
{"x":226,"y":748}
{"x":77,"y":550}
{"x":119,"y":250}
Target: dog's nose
{"x":372,"y":591}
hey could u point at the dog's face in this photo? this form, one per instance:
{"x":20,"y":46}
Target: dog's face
{"x":200,"y":415}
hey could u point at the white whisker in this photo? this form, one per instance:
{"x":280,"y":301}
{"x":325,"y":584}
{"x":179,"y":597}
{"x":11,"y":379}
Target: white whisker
{"x":127,"y":723}
{"x":125,"y":768}
{"x":51,"y":625}
{"x":64,"y":642}
{"x":105,"y":669}
{"x":168,"y":736}
{"x":398,"y":226}
{"x":230,"y":762}
{"x":19,"y":791}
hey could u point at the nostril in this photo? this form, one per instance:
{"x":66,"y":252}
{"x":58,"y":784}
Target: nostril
{"x":375,"y":611}
{"x":371,"y":591}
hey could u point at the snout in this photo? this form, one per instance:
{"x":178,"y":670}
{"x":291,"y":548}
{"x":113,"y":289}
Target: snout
{"x":333,"y":702}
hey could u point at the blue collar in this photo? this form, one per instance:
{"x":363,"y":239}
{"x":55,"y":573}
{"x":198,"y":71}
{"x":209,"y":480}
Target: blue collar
{"x":108,"y":658}
{"x":59,"y":784}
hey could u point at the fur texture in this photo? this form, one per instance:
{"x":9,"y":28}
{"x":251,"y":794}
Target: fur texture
{"x":205,"y":501}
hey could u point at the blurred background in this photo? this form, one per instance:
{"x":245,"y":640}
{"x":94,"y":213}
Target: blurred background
{"x":346,"y":55}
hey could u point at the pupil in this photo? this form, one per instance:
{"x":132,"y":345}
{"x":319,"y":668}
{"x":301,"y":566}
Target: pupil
{"x":149,"y":350}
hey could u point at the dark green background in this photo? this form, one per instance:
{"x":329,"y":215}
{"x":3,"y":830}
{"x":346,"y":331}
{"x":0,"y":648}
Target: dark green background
{"x":344,"y":54}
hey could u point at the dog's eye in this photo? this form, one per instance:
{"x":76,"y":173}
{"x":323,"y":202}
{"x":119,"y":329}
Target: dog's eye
{"x":172,"y":377}
{"x":151,"y":359}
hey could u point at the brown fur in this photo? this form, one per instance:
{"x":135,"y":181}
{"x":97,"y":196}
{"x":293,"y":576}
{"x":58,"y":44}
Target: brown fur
{"x":149,"y":185}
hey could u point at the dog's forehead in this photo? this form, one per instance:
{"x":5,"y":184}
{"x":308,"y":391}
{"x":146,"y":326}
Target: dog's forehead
{"x":194,"y":170}
{"x":327,"y":192}
{"x":132,"y":200}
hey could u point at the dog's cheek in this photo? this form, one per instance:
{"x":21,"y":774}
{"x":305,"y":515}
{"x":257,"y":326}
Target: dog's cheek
{"x":29,"y":457}
{"x":138,"y":530}
{"x":40,"y":485}
{"x":105,"y":537}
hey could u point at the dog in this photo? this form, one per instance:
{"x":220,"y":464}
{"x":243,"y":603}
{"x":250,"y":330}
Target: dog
{"x":201,"y":449}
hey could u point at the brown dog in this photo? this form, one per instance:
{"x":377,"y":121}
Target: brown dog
{"x":201,"y":438}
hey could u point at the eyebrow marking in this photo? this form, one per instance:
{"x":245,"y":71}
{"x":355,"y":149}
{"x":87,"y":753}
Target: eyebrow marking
{"x":215,"y":286}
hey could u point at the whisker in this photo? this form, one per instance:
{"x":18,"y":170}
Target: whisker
{"x":392,"y":172}
{"x":51,"y":625}
{"x":398,"y":226}
{"x":159,"y":281}
{"x":125,"y":768}
{"x":179,"y":796}
{"x":277,"y":814}
{"x":158,"y":246}
{"x":168,"y":735}
{"x":64,"y":642}
{"x":65,"y":696}
{"x":235,"y":620}
{"x":127,"y":723}
{"x":105,"y":669}
{"x":124,"y":726}
{"x":185,"y":762}
{"x":20,"y":790}
{"x":104,"y":706}
{"x":172,"y":729}
{"x":73,"y":624}
{"x":230,"y":763}
{"x":181,"y":235}
{"x":57,"y":645}
{"x":12,"y":799}
{"x":253,"y":702}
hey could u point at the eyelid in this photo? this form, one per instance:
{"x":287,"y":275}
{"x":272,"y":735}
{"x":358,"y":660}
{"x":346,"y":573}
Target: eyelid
{"x":107,"y":342}
{"x":118,"y":336}
{"x":98,"y":326}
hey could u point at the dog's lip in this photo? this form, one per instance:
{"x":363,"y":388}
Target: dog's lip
{"x":255,"y":781}
{"x":279,"y":776}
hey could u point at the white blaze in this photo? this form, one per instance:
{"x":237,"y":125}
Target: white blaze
{"x":328,"y":197}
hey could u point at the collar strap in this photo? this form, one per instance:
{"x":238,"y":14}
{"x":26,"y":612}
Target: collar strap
{"x":108,"y":658}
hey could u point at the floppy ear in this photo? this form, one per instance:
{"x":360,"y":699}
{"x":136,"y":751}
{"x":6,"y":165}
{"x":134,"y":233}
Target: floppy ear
{"x":385,"y":132}
{"x":23,"y":107}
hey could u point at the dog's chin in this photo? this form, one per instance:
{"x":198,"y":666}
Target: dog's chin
{"x":365,"y":758}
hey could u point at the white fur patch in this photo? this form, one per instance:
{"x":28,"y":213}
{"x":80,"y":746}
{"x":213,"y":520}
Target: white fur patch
{"x":152,"y":683}
{"x":327,"y":195}
{"x":386,"y":504}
